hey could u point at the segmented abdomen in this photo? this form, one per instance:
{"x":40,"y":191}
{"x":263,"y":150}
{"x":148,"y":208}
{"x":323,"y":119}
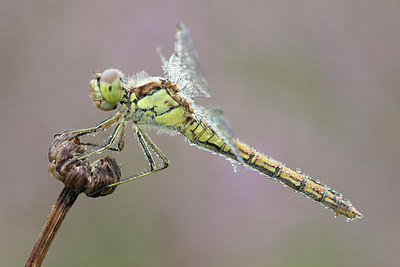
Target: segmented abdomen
{"x":202,"y":135}
{"x":298,"y":181}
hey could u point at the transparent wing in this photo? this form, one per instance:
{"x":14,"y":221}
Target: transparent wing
{"x":183,"y":68}
{"x":164,"y":62}
{"x":220,"y":124}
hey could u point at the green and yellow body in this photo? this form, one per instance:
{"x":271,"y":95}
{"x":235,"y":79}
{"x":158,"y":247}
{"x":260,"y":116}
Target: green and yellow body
{"x":159,"y":103}
{"x":168,"y":104}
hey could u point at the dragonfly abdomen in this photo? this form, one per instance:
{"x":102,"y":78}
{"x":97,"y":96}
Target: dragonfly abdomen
{"x":298,"y":181}
{"x":203,"y":135}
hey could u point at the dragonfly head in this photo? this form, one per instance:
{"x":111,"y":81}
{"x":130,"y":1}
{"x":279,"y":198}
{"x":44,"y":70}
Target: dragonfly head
{"x":107,"y":89}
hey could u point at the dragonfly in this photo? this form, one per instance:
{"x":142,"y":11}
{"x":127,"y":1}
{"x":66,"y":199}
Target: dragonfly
{"x":168,"y":104}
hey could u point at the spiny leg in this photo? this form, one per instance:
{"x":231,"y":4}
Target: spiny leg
{"x":120,"y":145}
{"x":145,"y":149}
{"x":97,"y":146}
{"x":144,"y":141}
{"x":102,"y":125}
{"x":149,"y":142}
{"x":110,"y":141}
{"x":155,"y":148}
{"x":121,"y":141}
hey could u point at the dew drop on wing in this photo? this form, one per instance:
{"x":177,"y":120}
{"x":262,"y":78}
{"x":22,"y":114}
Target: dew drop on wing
{"x":298,"y":170}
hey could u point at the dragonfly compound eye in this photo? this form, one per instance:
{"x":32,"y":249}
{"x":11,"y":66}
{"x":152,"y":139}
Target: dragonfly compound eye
{"x":111,"y":86}
{"x":107,"y":89}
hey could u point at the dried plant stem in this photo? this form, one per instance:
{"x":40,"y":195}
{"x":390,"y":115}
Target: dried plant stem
{"x":64,"y":202}
{"x":78,"y":175}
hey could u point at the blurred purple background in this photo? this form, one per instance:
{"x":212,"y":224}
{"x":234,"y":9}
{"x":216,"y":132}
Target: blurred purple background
{"x":314,"y":84}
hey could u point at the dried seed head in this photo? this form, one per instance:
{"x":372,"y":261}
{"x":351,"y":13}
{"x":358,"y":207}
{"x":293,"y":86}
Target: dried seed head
{"x":105,"y":171}
{"x":77,"y":178}
{"x":80,"y":175}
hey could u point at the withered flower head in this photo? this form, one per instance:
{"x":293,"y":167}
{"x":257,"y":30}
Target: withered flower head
{"x":81,"y":175}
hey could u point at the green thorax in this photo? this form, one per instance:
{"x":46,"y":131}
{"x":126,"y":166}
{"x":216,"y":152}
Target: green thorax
{"x":158,"y":103}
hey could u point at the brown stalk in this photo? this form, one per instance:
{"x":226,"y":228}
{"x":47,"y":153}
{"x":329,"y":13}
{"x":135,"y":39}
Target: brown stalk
{"x":64,"y":202}
{"x":78,"y":176}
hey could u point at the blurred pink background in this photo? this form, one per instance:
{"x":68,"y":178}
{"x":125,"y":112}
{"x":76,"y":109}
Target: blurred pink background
{"x":314,"y":84}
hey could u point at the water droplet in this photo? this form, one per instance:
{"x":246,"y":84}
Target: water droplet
{"x":234,"y":167}
{"x":298,"y":170}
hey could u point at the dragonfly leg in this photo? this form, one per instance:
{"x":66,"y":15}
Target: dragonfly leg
{"x":144,"y":141}
{"x":155,"y":148}
{"x":97,"y":146}
{"x":120,"y":138}
{"x":120,"y":127}
{"x":145,"y":149}
{"x":102,"y":125}
{"x":121,"y":141}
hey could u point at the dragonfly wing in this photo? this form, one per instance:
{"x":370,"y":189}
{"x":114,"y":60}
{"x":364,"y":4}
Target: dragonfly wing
{"x":220,"y":124}
{"x":164,"y":62}
{"x":183,"y":66}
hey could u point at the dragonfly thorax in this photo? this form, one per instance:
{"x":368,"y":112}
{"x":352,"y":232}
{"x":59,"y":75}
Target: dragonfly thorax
{"x":155,"y":101}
